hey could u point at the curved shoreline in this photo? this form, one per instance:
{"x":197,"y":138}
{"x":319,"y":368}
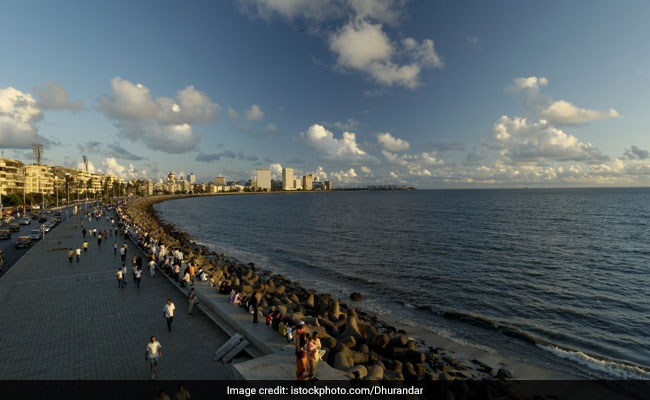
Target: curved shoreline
{"x":354,"y":339}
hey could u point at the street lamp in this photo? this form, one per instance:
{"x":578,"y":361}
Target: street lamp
{"x":56,"y":189}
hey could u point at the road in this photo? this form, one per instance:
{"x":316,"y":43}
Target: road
{"x":11,"y":253}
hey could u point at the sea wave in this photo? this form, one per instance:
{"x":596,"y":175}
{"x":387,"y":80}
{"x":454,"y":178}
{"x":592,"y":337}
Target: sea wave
{"x":616,"y":369}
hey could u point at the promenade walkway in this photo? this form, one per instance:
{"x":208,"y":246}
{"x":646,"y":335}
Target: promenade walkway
{"x":71,"y":321}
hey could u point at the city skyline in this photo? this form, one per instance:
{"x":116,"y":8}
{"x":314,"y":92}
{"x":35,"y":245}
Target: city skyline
{"x":358,"y":92}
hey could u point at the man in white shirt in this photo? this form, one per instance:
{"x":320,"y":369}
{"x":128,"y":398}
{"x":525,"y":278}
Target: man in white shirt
{"x":153,"y":354}
{"x":168,"y":313}
{"x":152,"y":268}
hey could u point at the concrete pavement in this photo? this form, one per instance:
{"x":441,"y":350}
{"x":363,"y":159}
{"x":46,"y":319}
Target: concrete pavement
{"x":71,"y":321}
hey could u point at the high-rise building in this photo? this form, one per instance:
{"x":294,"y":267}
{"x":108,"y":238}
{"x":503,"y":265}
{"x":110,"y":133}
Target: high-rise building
{"x":308,"y":182}
{"x":191,"y":178}
{"x":219,"y":181}
{"x":287,"y":179}
{"x":263,"y":179}
{"x":39,"y":179}
{"x":12,"y":177}
{"x":297,"y":184}
{"x":328,"y":185}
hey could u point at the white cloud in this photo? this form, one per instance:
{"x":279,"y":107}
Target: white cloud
{"x":531,"y":82}
{"x":343,"y":149}
{"x":559,"y":112}
{"x":393,"y":175}
{"x":113,"y":167}
{"x":91,"y":167}
{"x":320,"y":173}
{"x":232,"y":114}
{"x":366,"y":170}
{"x":391,"y":143}
{"x":359,"y":42}
{"x":345,"y":176}
{"x":161,"y":123}
{"x":55,"y":97}
{"x":254,"y":113}
{"x":363,"y":46}
{"x":18,"y":114}
{"x":387,"y":11}
{"x":563,"y":112}
{"x":276,"y":171}
{"x":522,"y":140}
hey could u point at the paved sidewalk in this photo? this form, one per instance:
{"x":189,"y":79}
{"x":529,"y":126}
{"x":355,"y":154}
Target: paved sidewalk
{"x":63,"y":321}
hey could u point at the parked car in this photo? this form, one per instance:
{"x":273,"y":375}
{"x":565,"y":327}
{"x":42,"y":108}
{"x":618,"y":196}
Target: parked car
{"x":35,"y":234}
{"x":25,"y":221}
{"x":42,"y":220}
{"x":23,"y":241}
{"x":35,"y":216}
{"x":48,"y":211}
{"x":57,"y":213}
{"x":14,"y":227}
{"x":5,"y":234}
{"x":55,"y":220}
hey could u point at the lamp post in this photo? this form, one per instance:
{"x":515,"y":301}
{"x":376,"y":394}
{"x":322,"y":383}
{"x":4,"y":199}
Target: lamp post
{"x":56,"y":189}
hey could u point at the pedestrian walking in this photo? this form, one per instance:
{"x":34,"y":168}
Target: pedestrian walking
{"x":114,"y":248}
{"x":70,"y":255}
{"x":85,"y":246}
{"x":153,"y":354}
{"x":192,"y":300}
{"x":123,"y":254}
{"x":168,"y":313}
{"x":83,"y":232}
{"x":99,"y":239}
{"x":78,"y":253}
{"x":152,"y":268}
{"x":138,"y":277}
{"x":120,"y":278}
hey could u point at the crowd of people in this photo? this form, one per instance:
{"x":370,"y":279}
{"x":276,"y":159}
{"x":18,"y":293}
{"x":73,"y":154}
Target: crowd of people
{"x":184,"y":269}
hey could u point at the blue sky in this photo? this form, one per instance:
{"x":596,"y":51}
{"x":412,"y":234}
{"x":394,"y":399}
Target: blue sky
{"x":426,"y":93}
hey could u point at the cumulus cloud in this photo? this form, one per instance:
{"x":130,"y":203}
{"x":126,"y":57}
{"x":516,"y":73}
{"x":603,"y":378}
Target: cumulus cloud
{"x":522,"y":140}
{"x":162,"y":123}
{"x":55,"y":97}
{"x":276,"y":171}
{"x":91,"y":167}
{"x":563,"y":112}
{"x":320,"y":173}
{"x":415,"y":164}
{"x":393,"y":175}
{"x":348,"y":176}
{"x":635,"y":153}
{"x":366,"y":170}
{"x":363,"y":46}
{"x":391,"y":143}
{"x":127,"y":172}
{"x":18,"y":114}
{"x":559,"y":112}
{"x":529,"y":83}
{"x":254,"y":113}
{"x":386,"y":11}
{"x":360,"y":42}
{"x":232,"y":113}
{"x":343,"y":149}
